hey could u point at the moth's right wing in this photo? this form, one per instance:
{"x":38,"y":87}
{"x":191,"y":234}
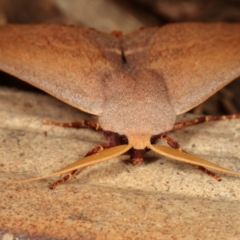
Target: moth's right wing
{"x":70,"y":63}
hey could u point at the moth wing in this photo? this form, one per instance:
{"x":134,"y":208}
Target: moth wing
{"x":70,"y":63}
{"x":193,"y":60}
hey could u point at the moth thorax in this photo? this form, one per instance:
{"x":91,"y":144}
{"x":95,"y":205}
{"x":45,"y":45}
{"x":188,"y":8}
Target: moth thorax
{"x":139,"y":141}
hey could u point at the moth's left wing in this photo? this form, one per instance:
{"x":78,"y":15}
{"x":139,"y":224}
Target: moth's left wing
{"x":193,"y":60}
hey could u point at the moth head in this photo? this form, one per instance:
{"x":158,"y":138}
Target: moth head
{"x":139,"y":141}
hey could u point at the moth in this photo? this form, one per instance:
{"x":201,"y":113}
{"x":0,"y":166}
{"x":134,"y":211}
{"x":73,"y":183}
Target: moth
{"x":136,"y":84}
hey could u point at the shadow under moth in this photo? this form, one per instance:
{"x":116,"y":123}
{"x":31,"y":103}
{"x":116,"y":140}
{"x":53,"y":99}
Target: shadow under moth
{"x":136,"y":84}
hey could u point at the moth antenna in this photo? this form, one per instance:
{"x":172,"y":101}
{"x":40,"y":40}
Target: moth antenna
{"x":95,"y":150}
{"x":86,"y":161}
{"x":189,"y":158}
{"x":174,"y":144}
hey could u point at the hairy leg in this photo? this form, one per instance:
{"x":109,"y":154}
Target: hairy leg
{"x":181,"y":125}
{"x":79,"y":124}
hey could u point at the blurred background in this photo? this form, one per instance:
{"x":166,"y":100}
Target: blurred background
{"x":127,"y":15}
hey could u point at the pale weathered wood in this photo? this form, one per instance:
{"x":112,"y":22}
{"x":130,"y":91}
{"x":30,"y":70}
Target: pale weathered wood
{"x":161,"y":199}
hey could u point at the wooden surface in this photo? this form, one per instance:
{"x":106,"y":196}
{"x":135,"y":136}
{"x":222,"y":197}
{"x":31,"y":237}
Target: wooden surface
{"x":160,"y":199}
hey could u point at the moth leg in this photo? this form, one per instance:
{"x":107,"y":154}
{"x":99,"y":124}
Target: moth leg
{"x":97,"y":149}
{"x":174,"y":144}
{"x":80,"y":124}
{"x":171,"y":142}
{"x":180,"y":125}
{"x":137,"y":155}
{"x":211,"y":174}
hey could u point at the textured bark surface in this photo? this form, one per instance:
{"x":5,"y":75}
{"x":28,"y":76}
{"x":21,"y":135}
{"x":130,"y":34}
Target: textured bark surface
{"x":160,"y":199}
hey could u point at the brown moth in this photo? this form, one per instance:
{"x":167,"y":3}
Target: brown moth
{"x":136,"y":83}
